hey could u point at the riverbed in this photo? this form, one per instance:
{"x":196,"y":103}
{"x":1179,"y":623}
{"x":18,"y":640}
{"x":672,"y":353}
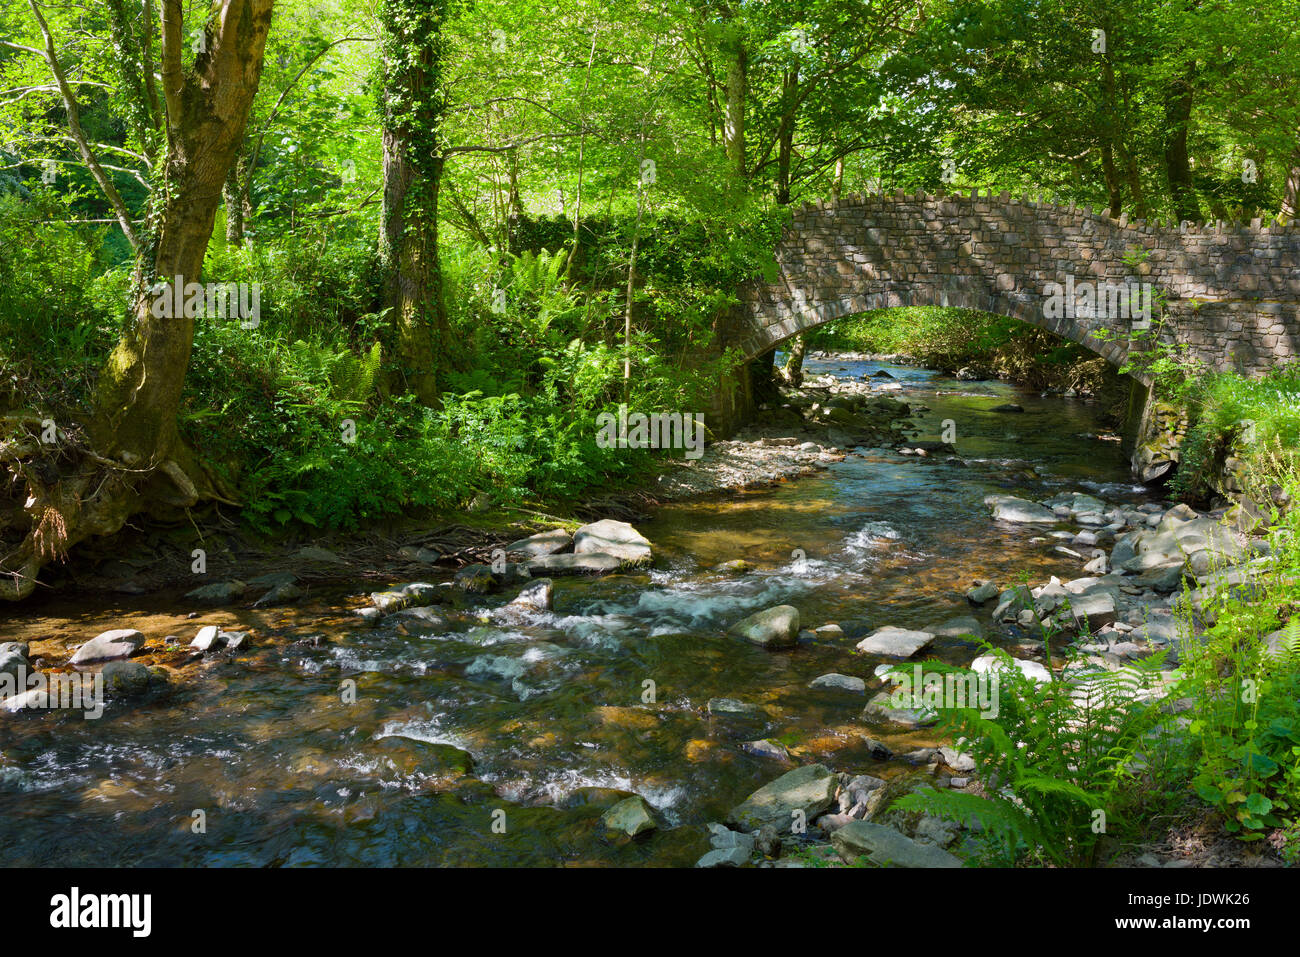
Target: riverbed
{"x":502,"y":741}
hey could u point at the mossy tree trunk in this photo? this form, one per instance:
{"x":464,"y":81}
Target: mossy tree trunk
{"x":133,"y":458}
{"x":412,"y":110}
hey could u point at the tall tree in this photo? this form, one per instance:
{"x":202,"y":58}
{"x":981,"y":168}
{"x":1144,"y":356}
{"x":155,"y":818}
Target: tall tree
{"x":136,"y":456}
{"x":412,"y":110}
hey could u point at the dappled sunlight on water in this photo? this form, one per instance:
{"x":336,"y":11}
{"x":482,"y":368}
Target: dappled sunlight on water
{"x":542,"y":715}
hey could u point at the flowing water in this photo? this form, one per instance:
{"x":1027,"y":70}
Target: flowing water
{"x":257,"y":759}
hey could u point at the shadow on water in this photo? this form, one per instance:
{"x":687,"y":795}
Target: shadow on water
{"x":541,"y":715}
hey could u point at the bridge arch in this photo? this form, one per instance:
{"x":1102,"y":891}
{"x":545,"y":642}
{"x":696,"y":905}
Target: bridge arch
{"x":1230,"y":293}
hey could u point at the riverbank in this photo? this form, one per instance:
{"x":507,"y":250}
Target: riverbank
{"x":764,"y":621}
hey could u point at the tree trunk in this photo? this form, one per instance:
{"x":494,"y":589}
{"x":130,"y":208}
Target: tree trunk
{"x":1291,"y":195}
{"x":135,"y":458}
{"x":515,"y":207}
{"x":411,"y":118}
{"x":837,"y":183}
{"x":140,"y":387}
{"x":1113,"y":189}
{"x":233,"y":197}
{"x":733,"y":129}
{"x":1178,"y":169}
{"x":792,"y":372}
{"x":785,"y":135}
{"x":409,"y":252}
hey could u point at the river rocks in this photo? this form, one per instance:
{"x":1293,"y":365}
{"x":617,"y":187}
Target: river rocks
{"x":991,"y":663}
{"x":1125,"y":549}
{"x":631,"y":817}
{"x":218,"y":593}
{"x":595,"y":563}
{"x":537,"y":596}
{"x":1098,"y":565}
{"x":211,"y":638}
{"x":369,"y":616}
{"x":1283,"y":643}
{"x":420,"y":554}
{"x":733,"y":706}
{"x":772,"y":628}
{"x":609,"y":537}
{"x":887,"y":847}
{"x":389,"y":601}
{"x":1163,"y":578}
{"x":208,"y":638}
{"x":543,"y":543}
{"x":314,"y":553}
{"x":839,"y":682}
{"x":982,"y":591}
{"x":481,"y":579}
{"x":1008,"y":407}
{"x":737,"y":566}
{"x":1092,"y":612}
{"x":126,"y":677}
{"x":766,"y":748}
{"x":935,"y":831}
{"x":725,"y":857}
{"x":896,"y":642}
{"x":909,"y":712}
{"x":957,"y":760}
{"x":421,"y":621}
{"x":281,"y":594}
{"x":13,"y":658}
{"x":119,"y":643}
{"x":1010,"y":603}
{"x":1008,"y":508}
{"x":809,"y":790}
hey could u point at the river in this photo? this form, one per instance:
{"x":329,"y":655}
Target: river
{"x":258,"y":759}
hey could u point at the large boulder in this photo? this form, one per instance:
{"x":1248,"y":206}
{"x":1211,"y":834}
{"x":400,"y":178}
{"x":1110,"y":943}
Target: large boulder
{"x":771,"y":628}
{"x":543,"y":543}
{"x":887,"y":847}
{"x":591,"y":563}
{"x":608,"y":537}
{"x":1008,"y":508}
{"x":896,"y":642}
{"x":810,"y":789}
{"x":118,"y":643}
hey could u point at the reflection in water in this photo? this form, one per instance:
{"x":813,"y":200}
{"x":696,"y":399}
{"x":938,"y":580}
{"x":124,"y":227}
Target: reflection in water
{"x":542,"y":714}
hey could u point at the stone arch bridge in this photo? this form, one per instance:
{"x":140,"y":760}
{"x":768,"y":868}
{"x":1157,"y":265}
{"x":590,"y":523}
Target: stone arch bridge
{"x":1230,"y":292}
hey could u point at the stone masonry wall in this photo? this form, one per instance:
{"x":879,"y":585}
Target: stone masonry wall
{"x":1233,"y":291}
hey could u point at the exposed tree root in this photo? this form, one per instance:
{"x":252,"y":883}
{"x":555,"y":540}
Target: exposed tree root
{"x":57,"y":495}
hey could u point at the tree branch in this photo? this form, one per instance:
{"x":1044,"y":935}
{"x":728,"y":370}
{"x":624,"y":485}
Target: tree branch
{"x":74,"y":125}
